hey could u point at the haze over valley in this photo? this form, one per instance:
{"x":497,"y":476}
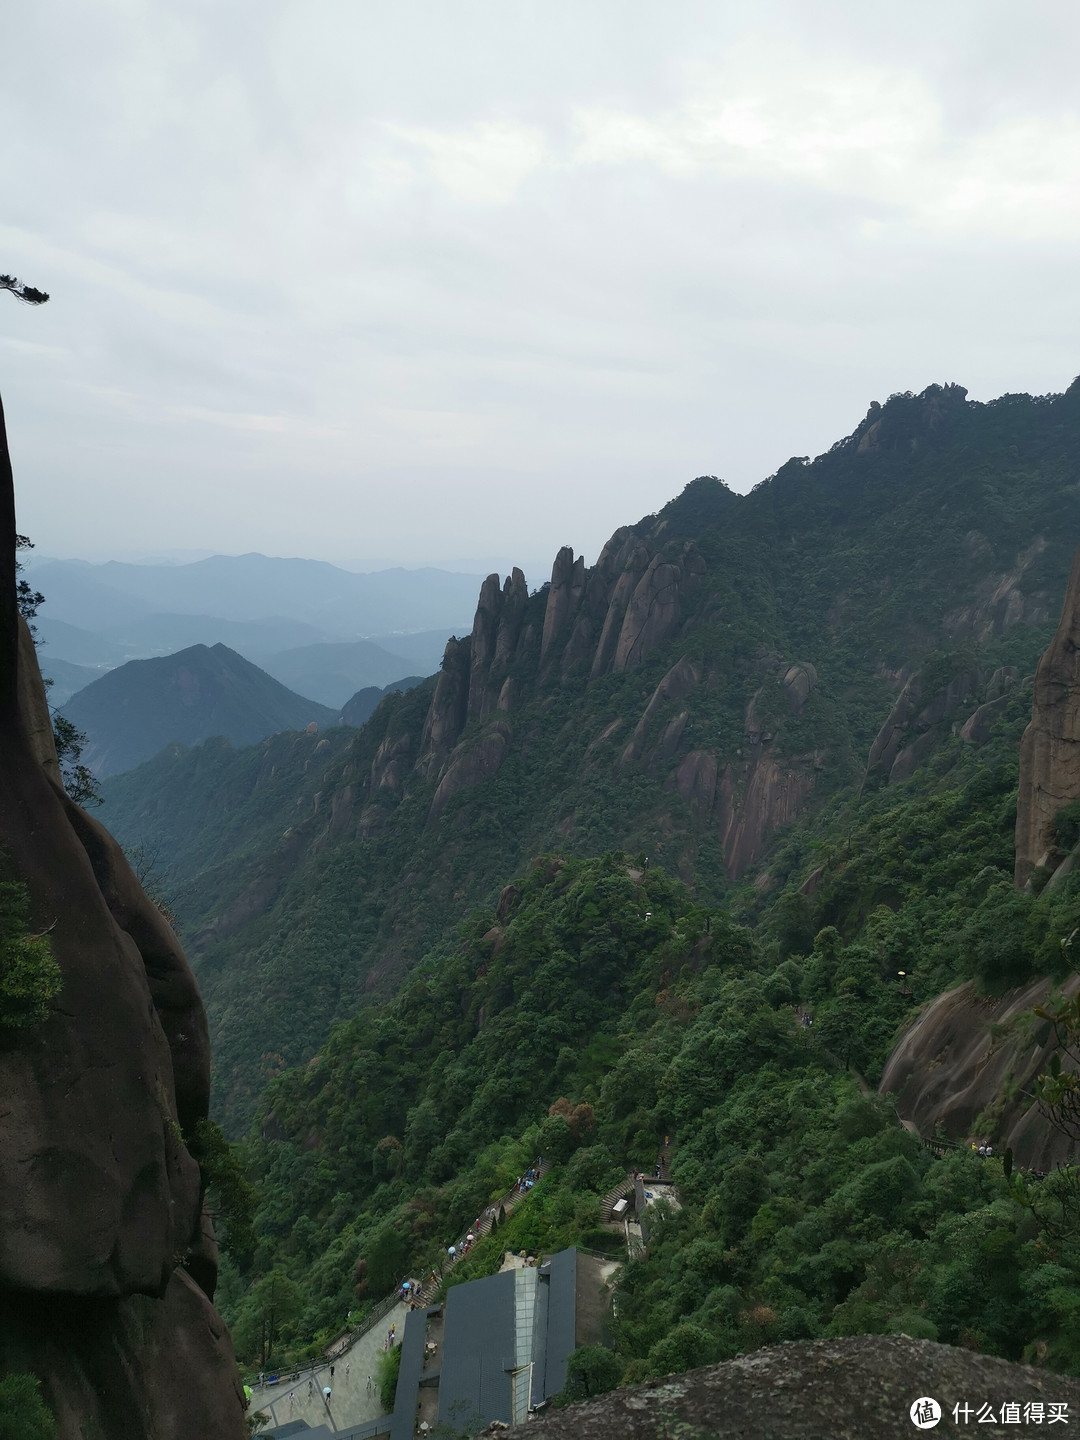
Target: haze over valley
{"x":626,"y":979}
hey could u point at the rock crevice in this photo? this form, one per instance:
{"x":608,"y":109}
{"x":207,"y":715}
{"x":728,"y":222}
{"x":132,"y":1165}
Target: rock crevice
{"x":1050,"y":749}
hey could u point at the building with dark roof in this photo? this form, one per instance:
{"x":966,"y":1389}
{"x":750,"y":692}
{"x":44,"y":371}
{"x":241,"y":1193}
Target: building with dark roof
{"x":499,"y":1347}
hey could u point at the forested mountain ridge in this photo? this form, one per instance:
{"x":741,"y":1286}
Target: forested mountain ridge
{"x":725,"y":665}
{"x":598,"y":1007}
{"x":132,"y":712}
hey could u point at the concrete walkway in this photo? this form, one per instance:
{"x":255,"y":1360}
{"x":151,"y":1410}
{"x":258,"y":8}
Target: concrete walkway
{"x":351,"y":1402}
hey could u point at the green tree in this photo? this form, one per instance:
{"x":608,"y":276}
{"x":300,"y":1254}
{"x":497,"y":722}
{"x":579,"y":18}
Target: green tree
{"x":276,"y":1300}
{"x":389,"y":1366}
{"x":26,"y":293}
{"x":232,"y":1194}
{"x":79,"y":782}
{"x":23,"y":1413}
{"x":77,"y":779}
{"x":27,"y":598}
{"x":30,"y":978}
{"x":590,"y":1370}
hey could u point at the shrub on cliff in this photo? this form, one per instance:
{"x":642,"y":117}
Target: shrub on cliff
{"x":29,"y":976}
{"x":23,"y":1413}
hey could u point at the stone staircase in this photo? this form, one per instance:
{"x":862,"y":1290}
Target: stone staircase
{"x":430,"y":1287}
{"x":624,"y":1189}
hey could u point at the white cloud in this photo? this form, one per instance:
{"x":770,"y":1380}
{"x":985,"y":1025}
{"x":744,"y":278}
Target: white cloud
{"x":387,"y":273}
{"x":872,"y":133}
{"x":484,"y":163}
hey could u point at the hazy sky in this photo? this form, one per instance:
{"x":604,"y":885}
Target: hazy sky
{"x":409,"y":282}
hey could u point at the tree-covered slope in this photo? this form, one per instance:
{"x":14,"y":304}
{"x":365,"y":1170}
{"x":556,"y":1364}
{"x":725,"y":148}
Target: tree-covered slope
{"x":136,"y":710}
{"x":599,"y":1007}
{"x":724,"y":669}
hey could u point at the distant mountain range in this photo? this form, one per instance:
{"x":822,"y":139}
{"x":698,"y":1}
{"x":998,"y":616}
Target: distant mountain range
{"x":334,"y":604}
{"x":325,"y":633}
{"x":332,"y":673}
{"x":136,"y":710}
{"x":66,"y":679}
{"x":361,"y":706}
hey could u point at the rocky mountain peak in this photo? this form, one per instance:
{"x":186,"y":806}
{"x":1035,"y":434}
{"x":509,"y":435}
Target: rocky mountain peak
{"x":1050,"y":749}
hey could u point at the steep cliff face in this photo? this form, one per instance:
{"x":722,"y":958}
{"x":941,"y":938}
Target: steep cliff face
{"x":925,"y":714}
{"x":967,"y":1064}
{"x":1050,"y":750}
{"x":99,"y":1198}
{"x":567,"y":716}
{"x":613,"y":615}
{"x":595,"y":623}
{"x":606,"y":620}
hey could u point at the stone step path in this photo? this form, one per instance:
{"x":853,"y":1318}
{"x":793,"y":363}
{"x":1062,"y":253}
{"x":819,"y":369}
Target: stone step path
{"x":612,"y":1198}
{"x":430,"y":1288}
{"x":354,"y":1355}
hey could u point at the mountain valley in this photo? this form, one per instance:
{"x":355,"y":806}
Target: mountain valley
{"x":734,"y":848}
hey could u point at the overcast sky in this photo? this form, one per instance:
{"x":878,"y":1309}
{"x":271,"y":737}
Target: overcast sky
{"x":427,"y":282}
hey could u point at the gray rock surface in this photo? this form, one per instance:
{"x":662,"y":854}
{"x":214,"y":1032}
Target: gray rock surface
{"x":852,"y":1389}
{"x":100,"y":1200}
{"x":1050,"y":749}
{"x":966,"y":1055}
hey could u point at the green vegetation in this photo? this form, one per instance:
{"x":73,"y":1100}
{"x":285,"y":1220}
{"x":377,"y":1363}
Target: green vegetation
{"x":23,"y":1413}
{"x":232,"y":1195}
{"x":389,"y":1364}
{"x":30,"y":978}
{"x":575,"y":1027}
{"x":404,"y":1032}
{"x":306,"y":894}
{"x":77,"y":780}
{"x":591,"y":1370}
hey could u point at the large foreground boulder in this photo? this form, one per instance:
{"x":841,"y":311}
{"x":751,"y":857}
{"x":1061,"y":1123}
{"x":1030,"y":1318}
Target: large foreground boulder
{"x":1050,"y":749}
{"x":106,"y":1269}
{"x":853,"y":1389}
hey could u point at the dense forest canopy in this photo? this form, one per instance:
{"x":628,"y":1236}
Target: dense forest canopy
{"x":311,"y":873}
{"x":410,"y":1005}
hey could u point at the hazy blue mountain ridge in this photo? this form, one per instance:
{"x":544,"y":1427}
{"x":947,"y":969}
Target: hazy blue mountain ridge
{"x":773,"y":633}
{"x":339,"y":603}
{"x":136,"y":710}
{"x":334,"y":672}
{"x":66,"y":679}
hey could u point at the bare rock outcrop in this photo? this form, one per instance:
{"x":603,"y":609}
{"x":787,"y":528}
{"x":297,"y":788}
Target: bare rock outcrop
{"x":976,"y":728}
{"x":793,"y":682}
{"x":770,"y":794}
{"x":390,"y":763}
{"x":471,"y":764}
{"x":448,"y":710}
{"x":679,"y":681}
{"x":695,"y":781}
{"x":1050,"y":749}
{"x":966,"y":1057}
{"x":1003,"y":598}
{"x":564,"y":597}
{"x":624,"y":566}
{"x":916,"y":723}
{"x":99,"y":1196}
{"x":601,"y":620}
{"x":654,"y":609}
{"x":495,"y":636}
{"x":859,"y":1388}
{"x":591,"y":621}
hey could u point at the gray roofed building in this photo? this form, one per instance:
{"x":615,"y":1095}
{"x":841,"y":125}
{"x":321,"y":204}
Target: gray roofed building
{"x":505,"y":1341}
